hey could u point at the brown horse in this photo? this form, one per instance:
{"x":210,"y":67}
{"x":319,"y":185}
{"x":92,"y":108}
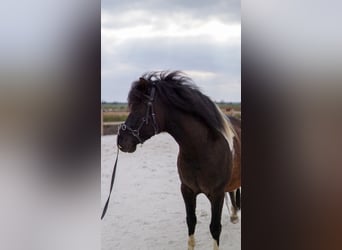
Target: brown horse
{"x":209,"y":143}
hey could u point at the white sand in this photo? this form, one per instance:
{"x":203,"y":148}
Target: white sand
{"x":146,"y":210}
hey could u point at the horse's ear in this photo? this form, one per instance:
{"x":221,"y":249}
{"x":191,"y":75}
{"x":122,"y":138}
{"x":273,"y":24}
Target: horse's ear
{"x":143,"y":83}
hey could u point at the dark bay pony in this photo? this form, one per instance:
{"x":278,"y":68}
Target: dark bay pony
{"x":209,"y":143}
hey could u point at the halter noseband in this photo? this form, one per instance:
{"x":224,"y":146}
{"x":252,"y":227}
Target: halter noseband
{"x":144,"y":120}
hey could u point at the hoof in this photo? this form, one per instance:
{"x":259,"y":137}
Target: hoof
{"x":191,"y":242}
{"x":216,"y":247}
{"x":234,"y":219}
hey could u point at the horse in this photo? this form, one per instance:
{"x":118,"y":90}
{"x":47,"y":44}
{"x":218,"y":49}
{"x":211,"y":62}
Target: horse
{"x":209,"y":142}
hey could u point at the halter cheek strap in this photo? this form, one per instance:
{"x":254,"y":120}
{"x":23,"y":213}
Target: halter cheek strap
{"x":144,"y":120}
{"x":150,"y":99}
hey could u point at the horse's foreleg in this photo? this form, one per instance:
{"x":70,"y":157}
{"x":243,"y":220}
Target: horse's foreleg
{"x":216,"y":201}
{"x":190,"y":205}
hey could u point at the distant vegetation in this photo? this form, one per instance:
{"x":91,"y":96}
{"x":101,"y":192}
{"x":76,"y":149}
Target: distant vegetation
{"x":118,"y":112}
{"x":114,"y":106}
{"x":121,"y":106}
{"x":230,"y":105}
{"x":114,"y":118}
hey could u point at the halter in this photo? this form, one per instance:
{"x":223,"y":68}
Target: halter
{"x":144,"y":120}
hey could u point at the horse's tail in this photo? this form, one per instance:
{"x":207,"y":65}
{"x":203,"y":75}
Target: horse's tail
{"x":235,"y":197}
{"x":238,"y":198}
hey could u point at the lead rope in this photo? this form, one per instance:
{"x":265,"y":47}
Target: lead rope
{"x":111,"y":185}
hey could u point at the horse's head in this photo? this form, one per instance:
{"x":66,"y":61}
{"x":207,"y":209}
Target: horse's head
{"x":141,"y":123}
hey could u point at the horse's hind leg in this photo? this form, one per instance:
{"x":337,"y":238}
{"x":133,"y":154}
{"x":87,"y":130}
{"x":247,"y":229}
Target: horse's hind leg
{"x":227,"y":202}
{"x":190,"y":205}
{"x":234,"y":217}
{"x":216,"y":201}
{"x":238,"y":198}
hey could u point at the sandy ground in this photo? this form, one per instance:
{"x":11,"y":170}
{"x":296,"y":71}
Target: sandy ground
{"x":146,"y":210}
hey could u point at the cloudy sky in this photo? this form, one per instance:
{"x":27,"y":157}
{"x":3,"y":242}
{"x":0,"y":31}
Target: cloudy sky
{"x":202,"y":38}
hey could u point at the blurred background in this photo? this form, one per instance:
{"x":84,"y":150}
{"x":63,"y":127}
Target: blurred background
{"x":292,"y":96}
{"x":50,"y":124}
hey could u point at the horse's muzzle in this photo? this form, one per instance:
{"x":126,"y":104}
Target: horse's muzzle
{"x":126,"y":143}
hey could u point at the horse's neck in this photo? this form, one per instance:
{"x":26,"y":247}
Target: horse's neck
{"x":188,"y":131}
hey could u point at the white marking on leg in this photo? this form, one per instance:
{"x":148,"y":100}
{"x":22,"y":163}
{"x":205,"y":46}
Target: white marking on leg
{"x":216,"y":247}
{"x":234,"y":218}
{"x":191,"y":242}
{"x":227,"y":202}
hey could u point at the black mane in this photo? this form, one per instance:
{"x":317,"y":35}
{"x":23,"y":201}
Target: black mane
{"x":177,"y":90}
